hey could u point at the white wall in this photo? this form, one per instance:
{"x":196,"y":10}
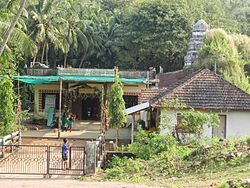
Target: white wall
{"x":237,"y":123}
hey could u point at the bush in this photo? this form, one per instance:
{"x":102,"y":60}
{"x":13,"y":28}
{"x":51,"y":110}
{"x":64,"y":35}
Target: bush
{"x":125,"y":168}
{"x":160,"y":155}
{"x":235,"y":184}
{"x":217,"y":153}
{"x":147,"y":145}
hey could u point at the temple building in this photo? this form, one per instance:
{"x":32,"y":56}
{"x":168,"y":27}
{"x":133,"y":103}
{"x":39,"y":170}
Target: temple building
{"x":198,"y":31}
{"x":83,"y":92}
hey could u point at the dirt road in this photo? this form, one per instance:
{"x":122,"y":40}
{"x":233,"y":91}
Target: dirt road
{"x":68,"y":183}
{"x":35,"y":181}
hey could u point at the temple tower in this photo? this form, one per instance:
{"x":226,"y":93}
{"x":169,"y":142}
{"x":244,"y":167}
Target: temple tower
{"x":198,"y":31}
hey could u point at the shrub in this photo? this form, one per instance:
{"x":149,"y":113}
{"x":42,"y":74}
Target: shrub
{"x":160,"y":155}
{"x":147,"y":145}
{"x":125,"y":168}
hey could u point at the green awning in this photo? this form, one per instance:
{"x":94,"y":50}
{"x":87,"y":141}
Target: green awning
{"x":98,"y":79}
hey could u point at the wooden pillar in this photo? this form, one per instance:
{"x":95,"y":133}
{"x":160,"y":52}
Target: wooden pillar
{"x":60,"y":110}
{"x":19,"y":107}
{"x":102,"y":106}
{"x":158,"y":118}
{"x":132,"y":128}
{"x":68,"y":98}
{"x":104,"y":109}
{"x":105,"y":106}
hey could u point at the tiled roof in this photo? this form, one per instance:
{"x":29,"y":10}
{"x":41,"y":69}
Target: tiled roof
{"x":172,"y":78}
{"x":204,"y":90}
{"x":149,"y":94}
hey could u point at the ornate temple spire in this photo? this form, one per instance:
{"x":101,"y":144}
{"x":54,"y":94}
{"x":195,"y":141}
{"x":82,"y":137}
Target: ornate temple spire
{"x":198,"y":31}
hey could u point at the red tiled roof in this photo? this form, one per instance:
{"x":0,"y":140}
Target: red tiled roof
{"x":172,"y":78}
{"x":149,"y":94}
{"x":204,"y":90}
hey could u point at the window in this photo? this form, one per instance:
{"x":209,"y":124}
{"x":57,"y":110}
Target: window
{"x":130,"y":100}
{"x":44,"y":96}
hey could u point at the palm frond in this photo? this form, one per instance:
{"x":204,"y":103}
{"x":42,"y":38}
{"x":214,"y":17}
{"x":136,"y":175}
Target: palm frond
{"x":19,"y":39}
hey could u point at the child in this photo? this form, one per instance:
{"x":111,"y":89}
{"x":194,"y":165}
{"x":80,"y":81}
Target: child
{"x":64,"y":122}
{"x":65,"y":151}
{"x":71,"y":122}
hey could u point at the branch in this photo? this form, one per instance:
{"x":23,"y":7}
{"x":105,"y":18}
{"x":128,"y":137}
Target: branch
{"x":12,"y":25}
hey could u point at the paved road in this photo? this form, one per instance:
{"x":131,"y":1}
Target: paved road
{"x":63,"y":183}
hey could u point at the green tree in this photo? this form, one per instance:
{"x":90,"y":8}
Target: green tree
{"x":116,"y":107}
{"x":73,"y":29}
{"x":227,"y":54}
{"x":18,"y":44}
{"x":11,"y":27}
{"x":97,"y":32}
{"x":191,"y":120}
{"x":215,"y":12}
{"x":7,"y":114}
{"x":43,"y":23}
{"x":239,"y":10}
{"x":195,"y":120}
{"x":153,"y":33}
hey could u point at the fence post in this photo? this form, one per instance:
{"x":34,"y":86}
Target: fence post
{"x":20,"y":138}
{"x":97,"y":156}
{"x":3,"y":142}
{"x":90,"y":157}
{"x":48,"y":161}
{"x":70,"y":157}
{"x":2,"y":148}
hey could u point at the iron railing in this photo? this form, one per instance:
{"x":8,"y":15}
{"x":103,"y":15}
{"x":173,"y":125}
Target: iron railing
{"x":41,"y":160}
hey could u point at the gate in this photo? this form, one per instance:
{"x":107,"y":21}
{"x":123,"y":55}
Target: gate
{"x":41,"y":160}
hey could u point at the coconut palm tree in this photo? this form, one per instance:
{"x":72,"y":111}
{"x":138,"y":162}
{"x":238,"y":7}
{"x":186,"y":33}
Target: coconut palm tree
{"x":96,"y":21}
{"x":83,"y":29}
{"x":14,"y":36}
{"x":44,"y":22}
{"x":74,"y":29}
{"x":10,"y":29}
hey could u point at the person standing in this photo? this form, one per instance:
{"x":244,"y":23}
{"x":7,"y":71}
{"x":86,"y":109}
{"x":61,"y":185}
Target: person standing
{"x":71,"y":122}
{"x":64,"y":121}
{"x":65,"y":152}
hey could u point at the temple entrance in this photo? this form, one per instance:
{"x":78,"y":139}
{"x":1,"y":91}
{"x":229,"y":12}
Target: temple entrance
{"x":91,"y":108}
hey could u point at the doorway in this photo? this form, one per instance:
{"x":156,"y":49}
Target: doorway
{"x":91,"y":108}
{"x":220,"y":131}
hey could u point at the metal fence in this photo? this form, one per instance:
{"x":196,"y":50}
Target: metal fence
{"x":41,"y":160}
{"x":13,"y":139}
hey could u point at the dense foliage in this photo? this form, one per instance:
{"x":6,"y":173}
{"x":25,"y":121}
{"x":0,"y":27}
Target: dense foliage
{"x":191,"y":120}
{"x":129,"y":33}
{"x":195,"y":120}
{"x":159,"y":156}
{"x":7,"y":114}
{"x":116,"y":108}
{"x":227,"y":55}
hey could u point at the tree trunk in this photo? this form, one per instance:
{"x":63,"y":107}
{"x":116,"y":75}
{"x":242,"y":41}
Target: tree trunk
{"x":43,"y":51}
{"x":11,"y":28}
{"x":83,"y":58}
{"x":34,"y":59}
{"x":46,"y":55}
{"x":65,"y":60}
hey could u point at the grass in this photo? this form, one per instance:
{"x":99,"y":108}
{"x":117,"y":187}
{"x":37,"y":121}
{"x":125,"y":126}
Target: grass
{"x":212,"y":177}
